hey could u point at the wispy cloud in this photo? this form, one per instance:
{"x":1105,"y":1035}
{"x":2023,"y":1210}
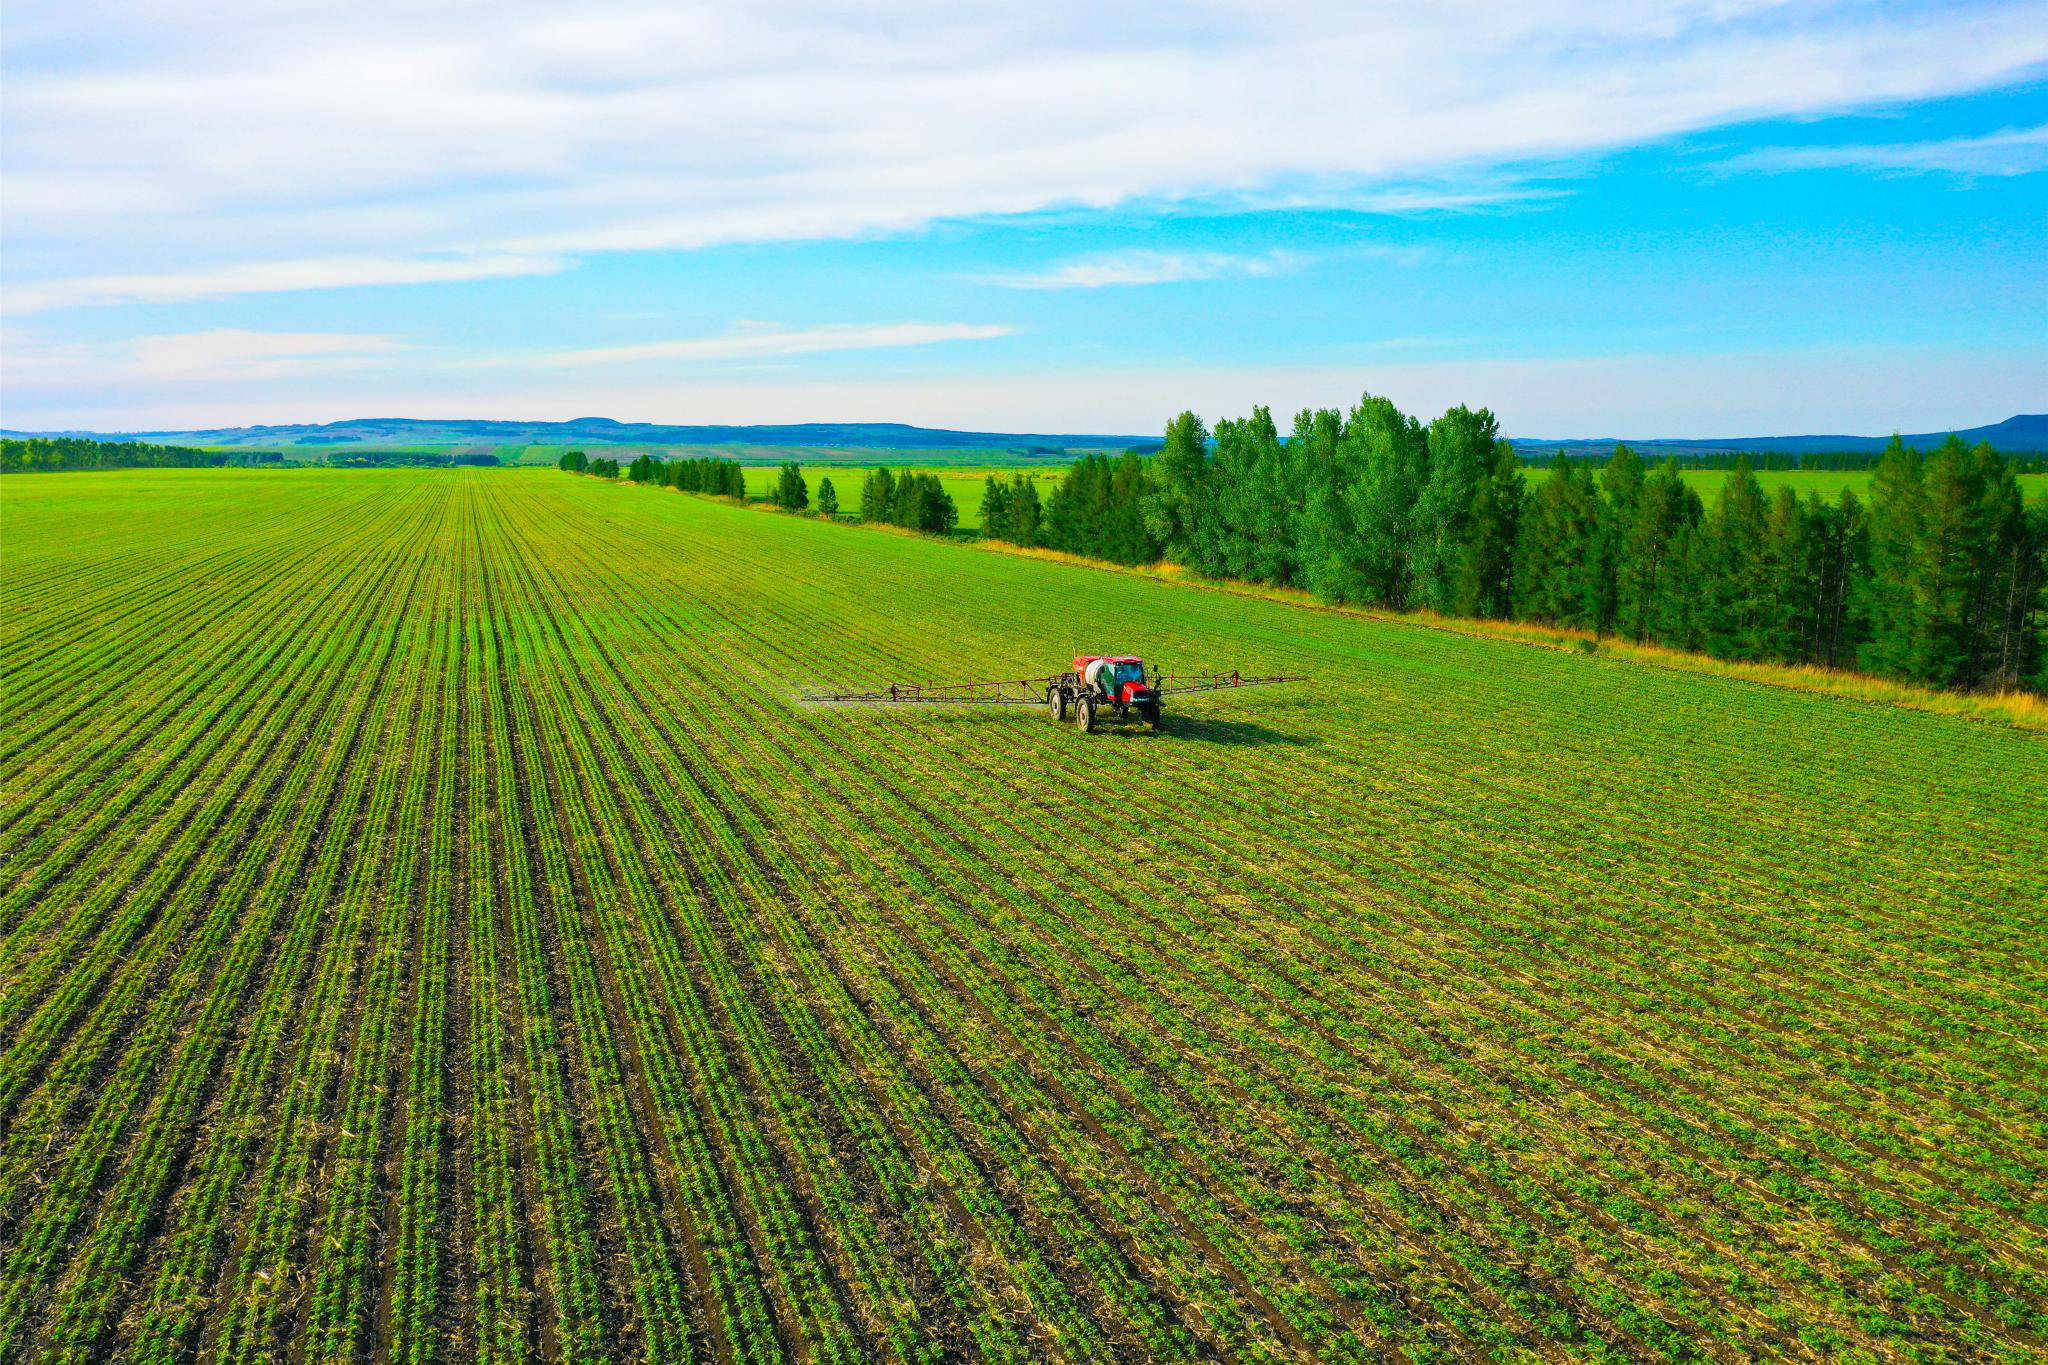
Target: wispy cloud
{"x":2010,"y":151}
{"x":1144,"y":267}
{"x":274,"y":277}
{"x":762,"y":341}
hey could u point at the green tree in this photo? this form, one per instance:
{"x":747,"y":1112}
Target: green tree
{"x":2030,"y":630}
{"x":995,"y":509}
{"x":791,"y":493}
{"x":935,"y":513}
{"x":828,"y":498}
{"x":1322,"y":530}
{"x":1657,"y":558}
{"x":1127,"y":540}
{"x":1621,"y":484}
{"x":1841,"y":541}
{"x":1026,"y":513}
{"x":1731,"y":574}
{"x":1972,"y":527}
{"x":1074,"y":513}
{"x":1884,"y":598}
{"x":1486,"y":571}
{"x":1553,"y":546}
{"x":1394,"y":464}
{"x":1178,"y":488}
{"x":1460,"y":451}
{"x":878,"y":496}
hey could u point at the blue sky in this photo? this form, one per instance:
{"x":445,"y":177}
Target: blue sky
{"x":1720,"y":217}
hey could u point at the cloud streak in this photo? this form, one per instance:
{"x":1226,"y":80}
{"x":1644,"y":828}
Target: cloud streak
{"x":272,"y":277}
{"x":2011,"y":151}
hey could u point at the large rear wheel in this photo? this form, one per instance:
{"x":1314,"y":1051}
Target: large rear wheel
{"x":1056,"y":704}
{"x":1084,"y":714}
{"x":1155,"y":715}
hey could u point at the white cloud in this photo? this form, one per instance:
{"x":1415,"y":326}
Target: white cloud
{"x":2011,"y":151}
{"x":1144,"y":267}
{"x":499,"y":141}
{"x":767,"y":342}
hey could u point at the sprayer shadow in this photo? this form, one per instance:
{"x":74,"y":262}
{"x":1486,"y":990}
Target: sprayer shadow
{"x":1236,"y":733}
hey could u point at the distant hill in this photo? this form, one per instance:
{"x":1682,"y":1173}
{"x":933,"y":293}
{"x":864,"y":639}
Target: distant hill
{"x":2027,"y":433}
{"x":597,"y":431}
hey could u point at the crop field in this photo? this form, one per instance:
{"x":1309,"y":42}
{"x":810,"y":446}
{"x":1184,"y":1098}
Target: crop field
{"x":430,"y":928}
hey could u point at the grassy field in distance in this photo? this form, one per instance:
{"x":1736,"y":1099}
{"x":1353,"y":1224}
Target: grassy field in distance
{"x":431,"y":927}
{"x":1828,"y":483}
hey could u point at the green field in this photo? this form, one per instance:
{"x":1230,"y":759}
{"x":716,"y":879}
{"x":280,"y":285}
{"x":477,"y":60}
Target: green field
{"x":433,"y":930}
{"x":1828,"y":483}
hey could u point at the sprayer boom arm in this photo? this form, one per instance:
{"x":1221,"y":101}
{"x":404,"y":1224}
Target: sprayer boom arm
{"x":1173,"y":686}
{"x":1007,"y":692}
{"x":1030,"y":691}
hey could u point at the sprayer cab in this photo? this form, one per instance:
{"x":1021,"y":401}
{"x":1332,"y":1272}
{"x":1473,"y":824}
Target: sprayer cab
{"x":1118,"y":679}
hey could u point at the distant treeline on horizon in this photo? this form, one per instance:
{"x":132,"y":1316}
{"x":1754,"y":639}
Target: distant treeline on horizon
{"x":59,"y":454}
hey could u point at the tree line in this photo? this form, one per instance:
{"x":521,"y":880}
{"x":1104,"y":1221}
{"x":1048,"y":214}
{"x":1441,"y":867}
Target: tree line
{"x":917,"y":502}
{"x":52,"y":454}
{"x":1940,"y":577}
{"x":576,"y":462}
{"x":721,"y":478}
